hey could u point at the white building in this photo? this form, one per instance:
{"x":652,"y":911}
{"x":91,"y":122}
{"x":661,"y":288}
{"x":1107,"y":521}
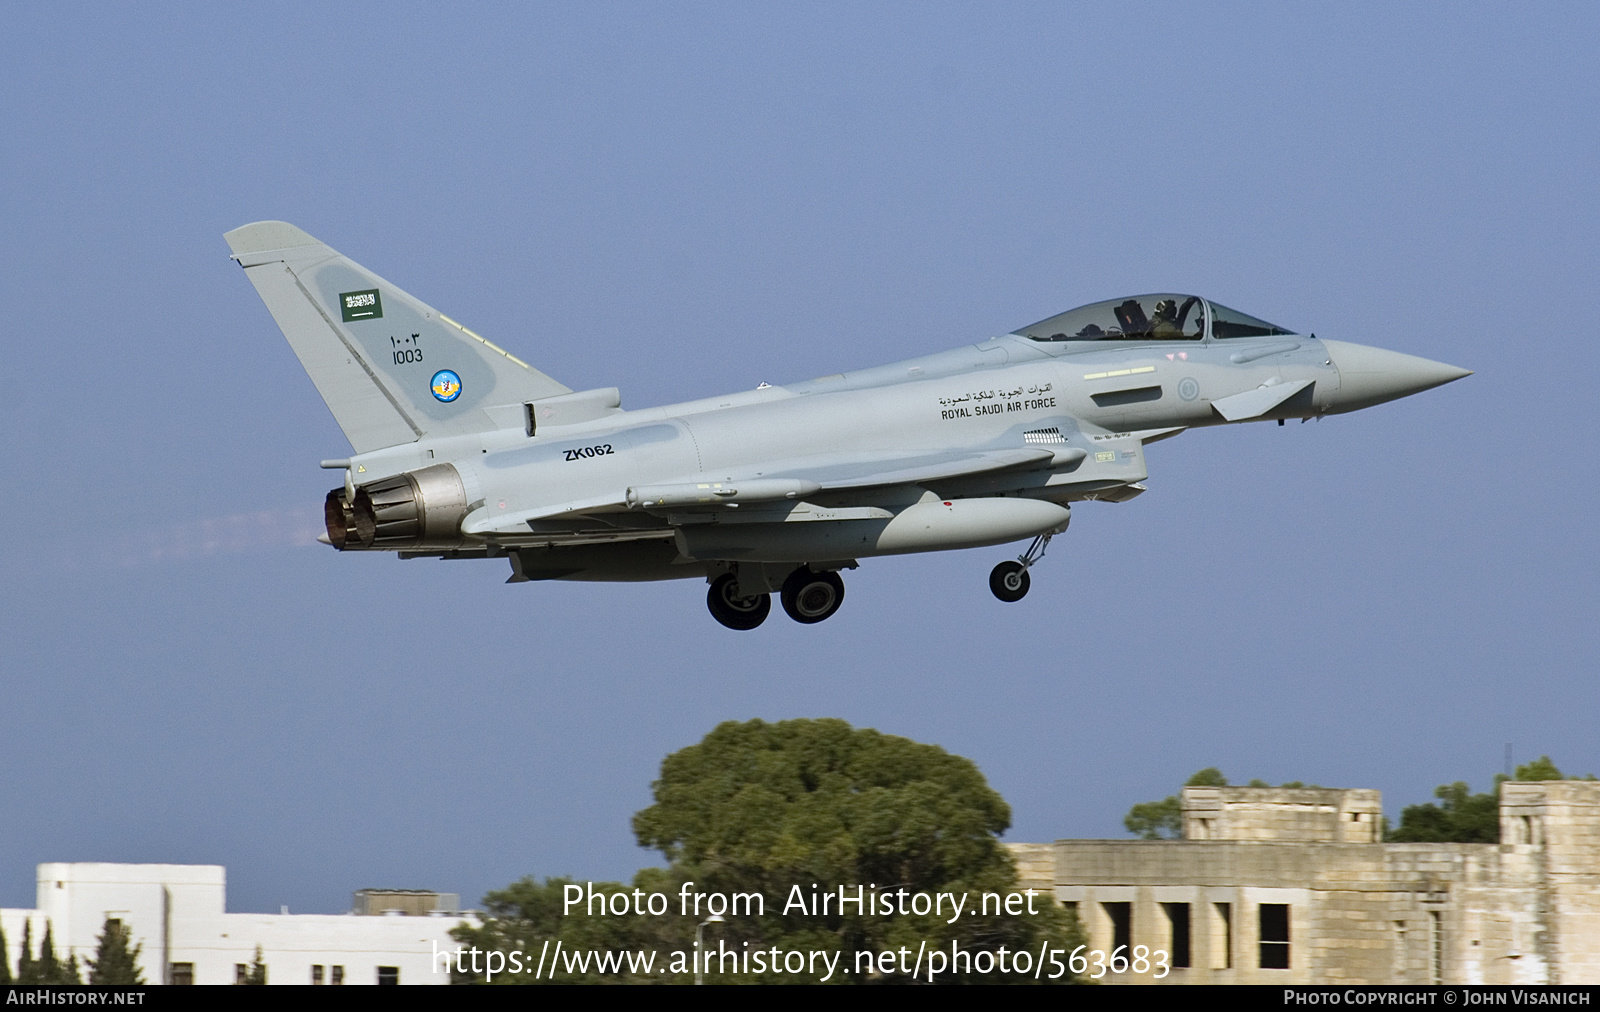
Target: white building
{"x":177,"y":912}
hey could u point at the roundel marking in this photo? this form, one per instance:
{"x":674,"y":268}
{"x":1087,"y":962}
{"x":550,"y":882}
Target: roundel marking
{"x":446,"y":385}
{"x":1188,"y":389}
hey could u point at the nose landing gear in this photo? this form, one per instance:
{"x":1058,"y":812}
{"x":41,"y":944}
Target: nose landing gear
{"x":1009,"y":580}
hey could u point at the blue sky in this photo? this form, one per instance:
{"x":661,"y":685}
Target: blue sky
{"x":687,"y":199}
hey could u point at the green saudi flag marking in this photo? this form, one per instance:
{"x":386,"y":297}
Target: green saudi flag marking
{"x":360,"y":305}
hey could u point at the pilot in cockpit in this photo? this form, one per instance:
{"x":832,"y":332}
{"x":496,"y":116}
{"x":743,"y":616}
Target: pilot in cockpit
{"x":1165,"y":322}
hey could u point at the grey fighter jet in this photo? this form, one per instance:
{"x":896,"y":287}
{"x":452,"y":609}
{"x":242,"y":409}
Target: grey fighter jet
{"x":464,"y":451}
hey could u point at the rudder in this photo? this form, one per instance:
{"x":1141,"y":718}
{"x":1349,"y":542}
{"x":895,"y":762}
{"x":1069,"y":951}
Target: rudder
{"x":391,"y":368}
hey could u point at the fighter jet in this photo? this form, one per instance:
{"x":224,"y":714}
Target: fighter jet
{"x":464,"y":451}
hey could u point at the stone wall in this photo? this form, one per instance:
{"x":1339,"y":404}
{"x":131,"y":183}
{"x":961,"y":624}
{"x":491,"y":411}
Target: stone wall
{"x":1282,"y":813}
{"x":1359,"y":911}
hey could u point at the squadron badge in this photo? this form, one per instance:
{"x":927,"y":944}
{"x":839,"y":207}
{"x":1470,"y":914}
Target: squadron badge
{"x":446,"y":385}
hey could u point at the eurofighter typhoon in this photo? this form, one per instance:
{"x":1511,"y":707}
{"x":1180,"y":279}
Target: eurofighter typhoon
{"x":464,"y":451}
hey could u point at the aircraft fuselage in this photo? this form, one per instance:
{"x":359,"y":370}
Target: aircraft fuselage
{"x":466,"y":451}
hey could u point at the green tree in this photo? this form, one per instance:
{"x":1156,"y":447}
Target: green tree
{"x":5,"y":960}
{"x":1163,"y":820}
{"x":762,"y":808}
{"x":527,"y":915}
{"x":1543,"y":769}
{"x":27,"y":971}
{"x":115,"y":960}
{"x":766,"y":808}
{"x":48,"y":968}
{"x":1461,"y":816}
{"x":257,"y":973}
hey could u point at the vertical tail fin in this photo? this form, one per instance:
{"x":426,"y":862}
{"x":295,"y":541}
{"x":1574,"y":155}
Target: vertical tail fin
{"x":391,"y":368}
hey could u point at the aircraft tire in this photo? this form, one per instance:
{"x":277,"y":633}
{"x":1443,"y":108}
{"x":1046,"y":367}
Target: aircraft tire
{"x":733,"y":611}
{"x":1009,"y":581}
{"x":811,"y":597}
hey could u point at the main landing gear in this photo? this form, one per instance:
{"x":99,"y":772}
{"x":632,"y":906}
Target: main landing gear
{"x":735,"y":610}
{"x":808,"y":598}
{"x":1009,"y":580}
{"x":811,"y":597}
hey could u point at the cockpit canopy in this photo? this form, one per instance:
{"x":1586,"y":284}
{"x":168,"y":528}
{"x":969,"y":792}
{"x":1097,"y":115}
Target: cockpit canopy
{"x":1161,"y":317}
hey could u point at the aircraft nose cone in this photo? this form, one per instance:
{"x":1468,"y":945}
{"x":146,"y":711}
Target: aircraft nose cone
{"x":1369,"y":376}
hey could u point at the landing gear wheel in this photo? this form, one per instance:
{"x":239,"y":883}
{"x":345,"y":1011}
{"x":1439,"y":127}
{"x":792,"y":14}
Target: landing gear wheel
{"x":811,"y":597}
{"x":1009,"y":581}
{"x":734,"y":611}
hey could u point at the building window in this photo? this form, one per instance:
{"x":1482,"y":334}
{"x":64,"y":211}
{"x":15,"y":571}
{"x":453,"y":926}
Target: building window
{"x":1223,"y":960}
{"x":1178,"y":923}
{"x":1528,"y":830}
{"x":337,"y":976}
{"x":388,"y":975}
{"x":1274,"y":936}
{"x":181,"y":973}
{"x":316,"y":973}
{"x":1436,"y":937}
{"x":1121,"y":915}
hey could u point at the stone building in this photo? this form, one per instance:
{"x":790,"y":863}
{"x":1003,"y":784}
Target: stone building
{"x":1281,"y":885}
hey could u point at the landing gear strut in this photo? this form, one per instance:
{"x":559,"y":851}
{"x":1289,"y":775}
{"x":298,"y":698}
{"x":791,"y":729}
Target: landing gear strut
{"x":811,"y":597}
{"x":1009,"y":580}
{"x":736,"y":610}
